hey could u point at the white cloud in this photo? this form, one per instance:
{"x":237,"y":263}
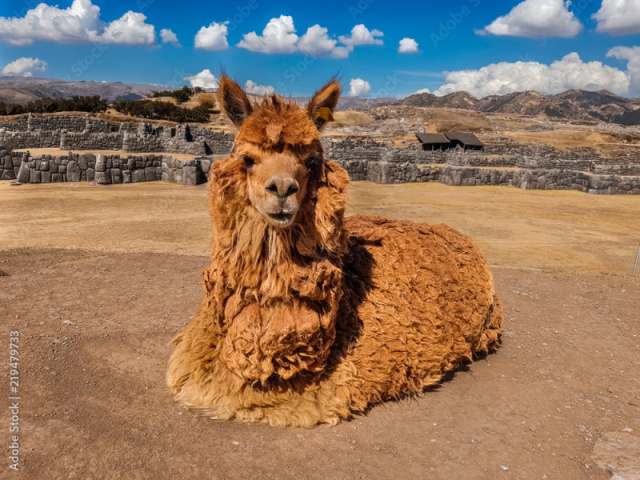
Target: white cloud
{"x":130,"y":29}
{"x":618,"y":17}
{"x":204,"y":79}
{"x":361,"y":35}
{"x":25,"y":66}
{"x":254,"y":89}
{"x":570,"y":72}
{"x":422,"y":90}
{"x":80,"y":23}
{"x":168,"y":36}
{"x":279,"y":36}
{"x":316,"y":42}
{"x":213,"y":37}
{"x":408,"y":45}
{"x":536,"y":18}
{"x":632,"y":55}
{"x":358,"y":87}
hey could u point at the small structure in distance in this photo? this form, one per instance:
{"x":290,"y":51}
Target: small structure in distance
{"x":449,"y":141}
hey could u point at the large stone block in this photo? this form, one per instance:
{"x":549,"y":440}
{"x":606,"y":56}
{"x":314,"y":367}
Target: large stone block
{"x":126,"y":176}
{"x":101,"y":178}
{"x":190,"y":176}
{"x":116,"y":176}
{"x":24,"y":174}
{"x":57,"y":177}
{"x":101,"y":164}
{"x":8,"y":175}
{"x":137,"y":176}
{"x":45,"y":177}
{"x":73,"y":172}
{"x":150,"y":174}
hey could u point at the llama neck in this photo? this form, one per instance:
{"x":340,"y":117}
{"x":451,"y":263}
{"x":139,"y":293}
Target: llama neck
{"x":267,"y":264}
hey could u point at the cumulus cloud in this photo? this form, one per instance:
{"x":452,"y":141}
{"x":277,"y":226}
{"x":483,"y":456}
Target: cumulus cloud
{"x":130,"y":29}
{"x":618,"y":17}
{"x":25,"y":67}
{"x":279,"y":36}
{"x":204,"y":79}
{"x":536,"y":18}
{"x":213,"y":37}
{"x":168,"y":36}
{"x":254,"y":89}
{"x":423,"y":90}
{"x":632,"y":55}
{"x":408,"y":45}
{"x":361,"y":35}
{"x":80,"y":23}
{"x":316,"y":42}
{"x":358,"y":87}
{"x":504,"y":77}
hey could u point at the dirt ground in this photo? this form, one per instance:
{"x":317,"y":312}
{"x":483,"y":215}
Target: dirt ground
{"x":99,"y":279}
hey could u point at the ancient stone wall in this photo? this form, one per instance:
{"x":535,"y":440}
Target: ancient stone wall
{"x":65,"y":123}
{"x":84,"y":133}
{"x":90,"y":141}
{"x":103,"y":169}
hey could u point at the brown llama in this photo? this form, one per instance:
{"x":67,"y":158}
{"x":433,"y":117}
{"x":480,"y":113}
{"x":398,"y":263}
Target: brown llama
{"x":308,"y":316}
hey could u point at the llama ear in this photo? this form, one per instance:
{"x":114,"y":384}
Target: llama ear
{"x":324,"y":102}
{"x":234,"y":101}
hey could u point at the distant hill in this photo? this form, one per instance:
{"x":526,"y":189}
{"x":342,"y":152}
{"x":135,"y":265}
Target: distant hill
{"x":355,"y":103}
{"x":572,"y":104}
{"x":25,"y":89}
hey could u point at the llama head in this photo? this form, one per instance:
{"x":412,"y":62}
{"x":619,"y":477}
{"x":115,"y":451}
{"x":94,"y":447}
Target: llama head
{"x":278,"y":147}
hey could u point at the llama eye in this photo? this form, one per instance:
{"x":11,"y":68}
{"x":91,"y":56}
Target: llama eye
{"x":248,"y":161}
{"x":312,"y":161}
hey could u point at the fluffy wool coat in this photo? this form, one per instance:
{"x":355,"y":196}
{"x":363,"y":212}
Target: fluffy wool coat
{"x":315,"y":322}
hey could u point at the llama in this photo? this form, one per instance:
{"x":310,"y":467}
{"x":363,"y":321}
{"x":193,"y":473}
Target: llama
{"x":310,"y":317}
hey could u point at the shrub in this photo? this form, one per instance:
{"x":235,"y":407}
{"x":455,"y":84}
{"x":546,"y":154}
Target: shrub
{"x":207,"y":100}
{"x":161,"y":111}
{"x":90,"y":104}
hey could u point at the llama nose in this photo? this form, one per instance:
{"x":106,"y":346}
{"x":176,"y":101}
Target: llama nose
{"x":281,"y":186}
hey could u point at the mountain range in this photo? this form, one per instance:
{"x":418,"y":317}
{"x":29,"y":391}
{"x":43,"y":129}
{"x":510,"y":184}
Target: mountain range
{"x":572,"y":104}
{"x":23,"y":90}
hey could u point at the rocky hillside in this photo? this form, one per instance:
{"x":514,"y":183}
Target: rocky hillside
{"x":572,"y":104}
{"x":26,"y":89}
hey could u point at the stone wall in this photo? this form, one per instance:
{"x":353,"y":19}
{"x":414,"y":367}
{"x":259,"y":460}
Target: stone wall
{"x":380,"y":162}
{"x":84,"y":133}
{"x":66,"y":123}
{"x":103,"y":169}
{"x":37,"y":139}
{"x":113,"y":169}
{"x":90,"y":141}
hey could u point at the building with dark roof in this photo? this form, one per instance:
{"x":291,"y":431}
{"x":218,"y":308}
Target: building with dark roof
{"x":433,"y":141}
{"x":449,"y":141}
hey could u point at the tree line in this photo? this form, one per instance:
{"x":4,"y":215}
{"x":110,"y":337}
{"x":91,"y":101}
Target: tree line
{"x":89,"y":104}
{"x":138,"y":108}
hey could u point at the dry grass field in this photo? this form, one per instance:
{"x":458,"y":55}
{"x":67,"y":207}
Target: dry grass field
{"x":562,"y":139}
{"x":98,"y":279}
{"x":562,"y":231}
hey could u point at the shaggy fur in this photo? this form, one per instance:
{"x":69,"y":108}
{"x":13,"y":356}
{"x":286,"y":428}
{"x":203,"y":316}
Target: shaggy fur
{"x":317,"y":321}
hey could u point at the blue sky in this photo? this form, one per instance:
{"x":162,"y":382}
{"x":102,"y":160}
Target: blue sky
{"x":479,"y":46}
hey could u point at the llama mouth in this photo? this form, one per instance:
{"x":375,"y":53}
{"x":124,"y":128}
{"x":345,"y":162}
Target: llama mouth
{"x":282,"y":219}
